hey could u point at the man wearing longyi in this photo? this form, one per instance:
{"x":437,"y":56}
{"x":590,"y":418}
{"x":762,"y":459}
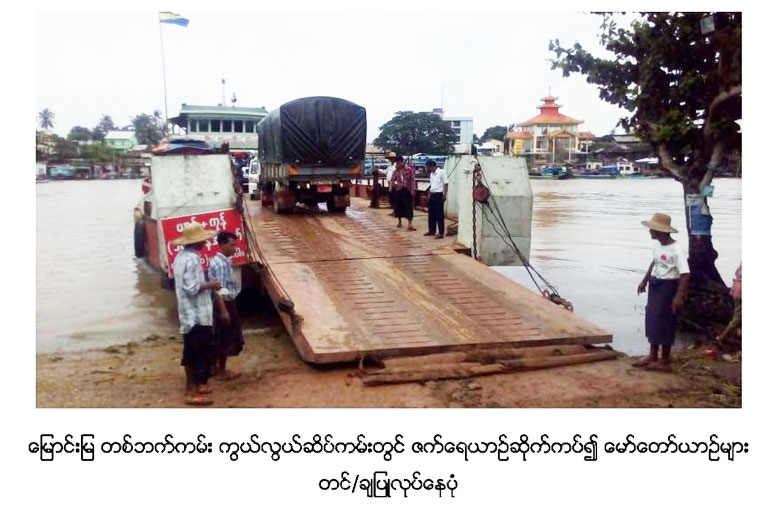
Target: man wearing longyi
{"x":229,"y":339}
{"x":667,"y":278}
{"x":193,"y":296}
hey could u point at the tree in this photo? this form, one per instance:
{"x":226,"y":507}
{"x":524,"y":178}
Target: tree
{"x":408,"y":133}
{"x":148,"y":128}
{"x":98,"y":152}
{"x":105,"y":125}
{"x":65,"y":149}
{"x":46,"y":118}
{"x":494,"y":132}
{"x":79,"y":133}
{"x":683,"y":88}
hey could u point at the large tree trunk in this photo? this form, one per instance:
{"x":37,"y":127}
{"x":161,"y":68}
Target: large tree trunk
{"x":709,"y":304}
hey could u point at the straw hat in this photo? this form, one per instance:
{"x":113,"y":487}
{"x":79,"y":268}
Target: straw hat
{"x":660,"y":222}
{"x":192,"y":234}
{"x":390,"y":155}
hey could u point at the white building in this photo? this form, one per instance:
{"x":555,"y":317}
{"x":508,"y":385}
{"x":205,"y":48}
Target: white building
{"x":492,"y":147}
{"x":462,"y":126}
{"x":219,"y":124}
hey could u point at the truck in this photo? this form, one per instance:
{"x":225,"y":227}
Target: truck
{"x":309,"y":151}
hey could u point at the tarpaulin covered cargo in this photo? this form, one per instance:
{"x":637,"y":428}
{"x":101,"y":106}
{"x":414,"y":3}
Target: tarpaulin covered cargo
{"x":314,"y":131}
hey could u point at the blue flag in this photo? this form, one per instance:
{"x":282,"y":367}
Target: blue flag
{"x":168,"y":17}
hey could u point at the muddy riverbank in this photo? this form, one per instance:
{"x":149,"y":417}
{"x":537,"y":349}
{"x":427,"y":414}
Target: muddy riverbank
{"x":147,"y":374}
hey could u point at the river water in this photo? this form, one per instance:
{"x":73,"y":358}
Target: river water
{"x":587,"y":241}
{"x":90,"y":289}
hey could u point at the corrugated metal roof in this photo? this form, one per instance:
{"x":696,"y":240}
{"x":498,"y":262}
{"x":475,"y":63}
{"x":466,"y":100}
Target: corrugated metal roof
{"x":518,"y":135}
{"x":626,"y":139}
{"x":120,"y":134}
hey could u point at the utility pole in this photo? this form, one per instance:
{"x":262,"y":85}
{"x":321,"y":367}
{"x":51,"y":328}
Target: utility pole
{"x":165,"y":86}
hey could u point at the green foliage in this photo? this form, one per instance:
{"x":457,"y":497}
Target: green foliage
{"x":64,"y":149}
{"x":148,"y":128}
{"x":46,"y":118}
{"x":683,"y":88}
{"x":105,"y":125}
{"x":79,"y":133}
{"x":98,"y":152}
{"x":408,"y":133}
{"x":494,"y":132}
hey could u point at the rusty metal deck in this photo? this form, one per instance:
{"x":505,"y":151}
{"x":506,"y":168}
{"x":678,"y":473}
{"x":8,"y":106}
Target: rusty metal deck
{"x":365,"y":287}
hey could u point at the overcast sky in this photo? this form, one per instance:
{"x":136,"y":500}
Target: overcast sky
{"x":493,"y":67}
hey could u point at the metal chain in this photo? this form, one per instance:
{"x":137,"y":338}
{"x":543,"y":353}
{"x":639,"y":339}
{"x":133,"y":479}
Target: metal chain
{"x":474,"y":212}
{"x":551,"y":293}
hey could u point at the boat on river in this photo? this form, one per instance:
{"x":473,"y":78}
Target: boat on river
{"x":605,"y":172}
{"x":551,"y":172}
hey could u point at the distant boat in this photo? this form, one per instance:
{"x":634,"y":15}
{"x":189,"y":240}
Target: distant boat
{"x":605,"y":172}
{"x":551,"y":171}
{"x":594,"y":176}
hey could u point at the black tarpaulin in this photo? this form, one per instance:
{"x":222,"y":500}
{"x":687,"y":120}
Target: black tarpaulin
{"x":314,"y":131}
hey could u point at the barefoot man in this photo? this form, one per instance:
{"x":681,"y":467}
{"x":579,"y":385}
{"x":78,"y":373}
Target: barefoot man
{"x":193,"y":295}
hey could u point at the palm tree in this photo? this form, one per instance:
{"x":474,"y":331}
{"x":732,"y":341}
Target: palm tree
{"x":47,"y":118}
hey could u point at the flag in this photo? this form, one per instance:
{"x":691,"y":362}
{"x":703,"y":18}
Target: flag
{"x":168,"y":17}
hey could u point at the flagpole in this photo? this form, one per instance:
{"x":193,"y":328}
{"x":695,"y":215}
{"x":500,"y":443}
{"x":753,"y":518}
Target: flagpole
{"x":165,"y":86}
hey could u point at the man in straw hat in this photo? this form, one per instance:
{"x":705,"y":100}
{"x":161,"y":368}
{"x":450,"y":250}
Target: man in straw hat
{"x":667,"y":278}
{"x":193,"y":294}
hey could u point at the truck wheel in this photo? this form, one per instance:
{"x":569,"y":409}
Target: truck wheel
{"x":279,"y":210}
{"x":139,"y":239}
{"x":332,"y":208}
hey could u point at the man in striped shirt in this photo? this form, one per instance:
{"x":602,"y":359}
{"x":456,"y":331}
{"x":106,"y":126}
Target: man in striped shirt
{"x":193,"y":295}
{"x":227,"y":327}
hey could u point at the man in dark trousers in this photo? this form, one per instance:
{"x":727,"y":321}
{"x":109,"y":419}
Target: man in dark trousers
{"x":227,"y":325}
{"x":390,"y":156}
{"x":193,"y":295}
{"x":436,"y":196}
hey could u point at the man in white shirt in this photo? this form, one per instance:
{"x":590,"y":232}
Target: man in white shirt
{"x":390,"y":156}
{"x":436,"y":196}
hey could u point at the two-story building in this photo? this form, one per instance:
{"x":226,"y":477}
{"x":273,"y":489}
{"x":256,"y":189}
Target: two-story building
{"x":548,"y":137}
{"x":121,"y":140}
{"x":219,"y":124}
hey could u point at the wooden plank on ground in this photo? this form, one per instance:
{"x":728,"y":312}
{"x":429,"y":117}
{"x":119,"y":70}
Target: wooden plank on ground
{"x":471,"y":369}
